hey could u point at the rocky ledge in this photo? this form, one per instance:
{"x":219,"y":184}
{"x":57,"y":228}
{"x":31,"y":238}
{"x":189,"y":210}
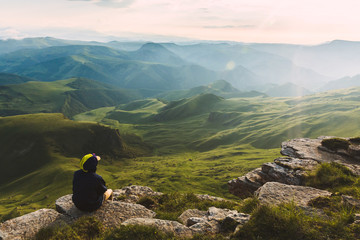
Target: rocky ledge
{"x":123,"y":210}
{"x":301,"y":156}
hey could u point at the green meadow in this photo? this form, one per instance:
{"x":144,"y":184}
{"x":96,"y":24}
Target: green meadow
{"x":194,"y":145}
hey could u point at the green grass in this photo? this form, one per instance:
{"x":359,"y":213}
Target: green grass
{"x":289,"y":222}
{"x":170,"y":206}
{"x":335,"y":178}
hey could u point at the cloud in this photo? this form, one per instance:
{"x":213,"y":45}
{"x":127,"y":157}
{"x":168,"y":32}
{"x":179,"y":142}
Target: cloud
{"x":11,"y":33}
{"x":230,"y":26}
{"x":109,"y":3}
{"x":115,"y":3}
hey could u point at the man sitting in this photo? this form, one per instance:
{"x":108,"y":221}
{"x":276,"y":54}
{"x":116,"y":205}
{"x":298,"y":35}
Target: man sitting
{"x":89,"y":190}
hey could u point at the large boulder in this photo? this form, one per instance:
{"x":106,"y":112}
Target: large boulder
{"x":26,"y":226}
{"x":111,"y":213}
{"x":284,"y":170}
{"x":274,"y":193}
{"x":167,"y":226}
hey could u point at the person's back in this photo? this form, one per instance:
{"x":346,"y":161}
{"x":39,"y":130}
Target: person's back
{"x":89,"y":190}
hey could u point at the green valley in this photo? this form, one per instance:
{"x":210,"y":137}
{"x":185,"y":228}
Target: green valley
{"x":193,"y":144}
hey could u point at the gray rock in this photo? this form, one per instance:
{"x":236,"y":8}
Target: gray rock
{"x":209,"y":198}
{"x":350,"y":201}
{"x":173,"y":227}
{"x":3,"y":236}
{"x":296,"y":163}
{"x":305,"y":148}
{"x":111,"y":213}
{"x":205,"y":227}
{"x":219,"y":214}
{"x":191,"y":213}
{"x":274,"y":193}
{"x":246,"y":185}
{"x":240,"y":218}
{"x":28,"y":225}
{"x":284,"y":170}
{"x":194,"y":220}
{"x":133,"y":193}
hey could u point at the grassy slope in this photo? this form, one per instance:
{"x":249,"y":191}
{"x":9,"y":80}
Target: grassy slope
{"x":40,"y":152}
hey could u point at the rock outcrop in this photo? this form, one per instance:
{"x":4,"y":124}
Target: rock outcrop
{"x":276,"y":193}
{"x":285,"y":170}
{"x":302,"y":156}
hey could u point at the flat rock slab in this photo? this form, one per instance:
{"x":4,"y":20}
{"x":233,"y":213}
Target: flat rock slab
{"x":26,"y":226}
{"x":306,"y":148}
{"x":167,"y":226}
{"x":111,"y":213}
{"x":274,"y":193}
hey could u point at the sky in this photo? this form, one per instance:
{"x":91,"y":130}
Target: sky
{"x":275,"y":21}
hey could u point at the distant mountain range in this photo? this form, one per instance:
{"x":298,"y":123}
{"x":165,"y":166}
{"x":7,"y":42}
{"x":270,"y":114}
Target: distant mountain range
{"x":170,"y":66}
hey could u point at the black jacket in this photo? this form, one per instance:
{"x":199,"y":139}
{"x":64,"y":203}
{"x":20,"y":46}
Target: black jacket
{"x":88,"y":190}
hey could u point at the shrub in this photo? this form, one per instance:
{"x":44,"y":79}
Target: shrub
{"x":57,"y":233}
{"x":355,"y":140}
{"x":131,"y":232}
{"x":335,"y":143}
{"x":83,"y":228}
{"x":87,"y":227}
{"x":330,"y":176}
{"x":147,"y":202}
{"x":289,"y":222}
{"x":249,"y":205}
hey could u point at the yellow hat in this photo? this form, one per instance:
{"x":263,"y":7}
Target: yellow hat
{"x":85,"y":158}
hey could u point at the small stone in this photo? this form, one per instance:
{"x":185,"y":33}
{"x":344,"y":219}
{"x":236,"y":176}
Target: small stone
{"x":191,"y":213}
{"x":350,"y":201}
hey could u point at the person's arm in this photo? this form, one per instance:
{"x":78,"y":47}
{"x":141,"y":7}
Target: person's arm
{"x":103,"y":189}
{"x":108,"y":194}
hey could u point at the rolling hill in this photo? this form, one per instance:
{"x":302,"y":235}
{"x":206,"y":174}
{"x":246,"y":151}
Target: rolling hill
{"x":70,"y":97}
{"x":206,"y":122}
{"x":345,"y":82}
{"x":220,"y":88}
{"x":8,"y":78}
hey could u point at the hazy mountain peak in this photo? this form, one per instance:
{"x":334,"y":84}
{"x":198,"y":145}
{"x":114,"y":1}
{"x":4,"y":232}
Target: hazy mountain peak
{"x":153,"y":46}
{"x":223,"y":85}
